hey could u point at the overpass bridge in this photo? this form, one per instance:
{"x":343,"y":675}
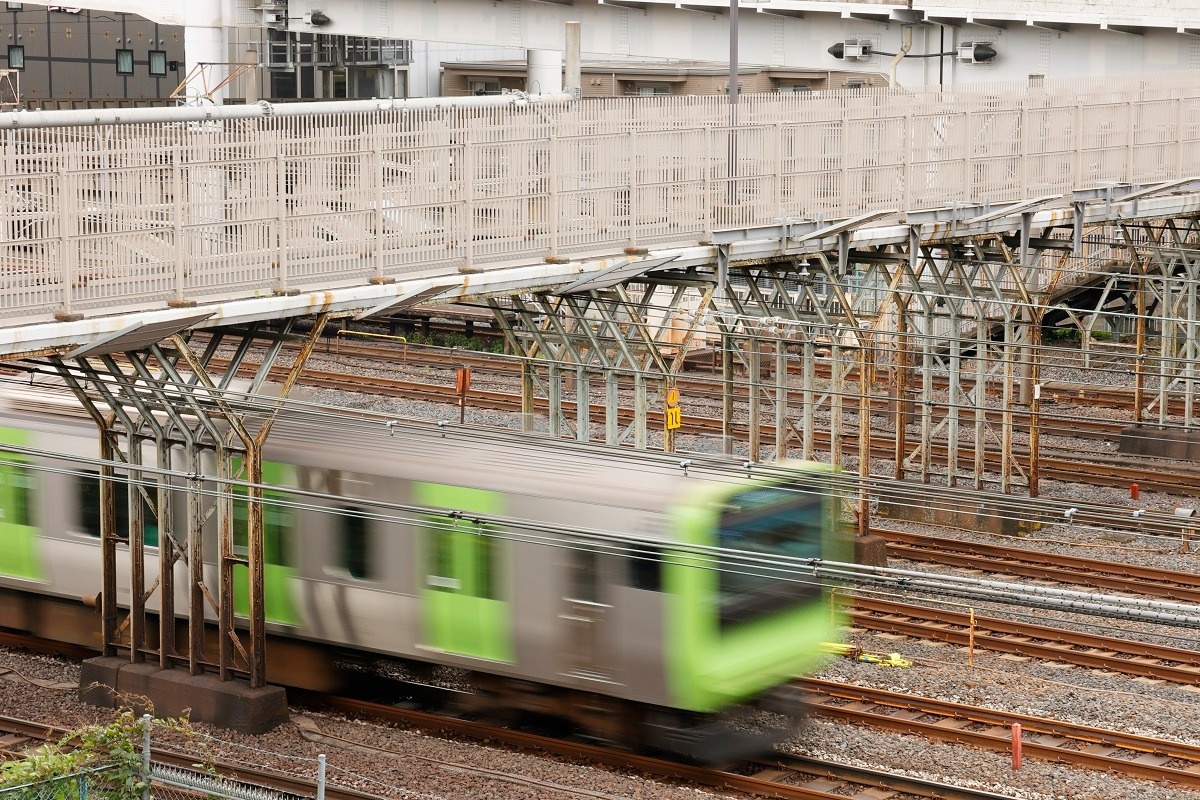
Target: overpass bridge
{"x":897,"y":238}
{"x":178,"y":218}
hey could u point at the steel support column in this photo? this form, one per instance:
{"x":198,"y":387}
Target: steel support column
{"x":166,"y":397}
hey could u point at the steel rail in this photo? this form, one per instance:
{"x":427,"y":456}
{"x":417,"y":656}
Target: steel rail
{"x":768,"y":785}
{"x":1097,"y":473}
{"x":1132,"y":578}
{"x":698,"y":389}
{"x":1140,"y":659}
{"x":1053,"y":740}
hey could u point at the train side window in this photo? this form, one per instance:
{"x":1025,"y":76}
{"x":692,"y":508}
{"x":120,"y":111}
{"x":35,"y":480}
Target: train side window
{"x":20,"y":482}
{"x":354,"y":537}
{"x":645,"y":568}
{"x":582,"y":575}
{"x":485,"y":564}
{"x":89,"y":510}
{"x":462,"y":558}
{"x":277,"y":526}
{"x":441,"y":554}
{"x":89,"y":505}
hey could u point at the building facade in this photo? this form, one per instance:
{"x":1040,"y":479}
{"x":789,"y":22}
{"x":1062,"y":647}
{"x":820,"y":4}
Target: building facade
{"x":629,"y":78}
{"x":63,"y":57}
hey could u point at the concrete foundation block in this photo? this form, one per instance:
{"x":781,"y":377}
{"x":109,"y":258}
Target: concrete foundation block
{"x":1150,"y":440}
{"x":111,"y":682}
{"x":982,"y":518}
{"x":871,"y":550}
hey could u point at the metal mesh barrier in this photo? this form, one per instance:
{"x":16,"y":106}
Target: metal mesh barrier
{"x":98,"y":783}
{"x":166,"y":783}
{"x":174,"y":783}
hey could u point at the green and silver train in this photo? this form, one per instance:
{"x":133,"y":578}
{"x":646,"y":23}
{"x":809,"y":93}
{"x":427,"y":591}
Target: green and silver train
{"x":636,"y":595}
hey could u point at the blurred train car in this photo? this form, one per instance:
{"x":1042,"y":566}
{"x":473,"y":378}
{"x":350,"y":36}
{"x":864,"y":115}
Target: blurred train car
{"x":633,"y":597}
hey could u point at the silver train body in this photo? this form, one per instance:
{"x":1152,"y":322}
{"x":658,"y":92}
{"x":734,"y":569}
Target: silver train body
{"x":546,"y":569}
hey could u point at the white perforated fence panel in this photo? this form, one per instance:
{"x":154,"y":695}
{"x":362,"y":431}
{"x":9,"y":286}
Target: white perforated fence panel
{"x":133,"y":216}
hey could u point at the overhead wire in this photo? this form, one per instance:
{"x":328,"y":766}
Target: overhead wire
{"x":780,"y":568}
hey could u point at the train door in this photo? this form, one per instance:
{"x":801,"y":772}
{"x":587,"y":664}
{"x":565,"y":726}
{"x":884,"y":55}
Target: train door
{"x":18,"y":536}
{"x":464,"y":581}
{"x":584,"y":614}
{"x":279,"y":528}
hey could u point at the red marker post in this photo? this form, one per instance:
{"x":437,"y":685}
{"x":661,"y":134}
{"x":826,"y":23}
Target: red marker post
{"x":1133,"y":492}
{"x":1016,"y":745}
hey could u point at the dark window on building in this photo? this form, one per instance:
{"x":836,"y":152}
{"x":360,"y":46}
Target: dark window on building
{"x":158,"y":62}
{"x":355,"y":543}
{"x":124,"y":62}
{"x":16,"y":56}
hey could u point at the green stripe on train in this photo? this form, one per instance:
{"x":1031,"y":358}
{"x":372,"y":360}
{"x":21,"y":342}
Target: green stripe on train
{"x":462,"y":576}
{"x":18,"y":533}
{"x":279,"y":533}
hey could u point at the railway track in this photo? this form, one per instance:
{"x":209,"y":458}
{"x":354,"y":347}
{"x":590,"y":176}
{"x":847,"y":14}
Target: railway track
{"x":1138,"y":659}
{"x":1053,"y":392}
{"x":782,"y":776}
{"x":1101,"y":471}
{"x":1111,"y":576}
{"x":787,"y":776}
{"x":706,"y":390}
{"x":19,"y":738}
{"x":1104,"y":471}
{"x":1094,"y":748}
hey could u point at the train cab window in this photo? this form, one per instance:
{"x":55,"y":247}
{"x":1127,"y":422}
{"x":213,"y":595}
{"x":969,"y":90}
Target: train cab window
{"x":89,"y":510}
{"x":355,"y":544}
{"x":763,"y":523}
{"x":645,"y":568}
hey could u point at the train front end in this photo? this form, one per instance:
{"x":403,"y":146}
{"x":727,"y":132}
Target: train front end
{"x":745,"y":616}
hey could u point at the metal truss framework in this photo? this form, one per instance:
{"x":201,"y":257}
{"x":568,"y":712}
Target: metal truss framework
{"x":183,"y":410}
{"x":923,"y":351}
{"x":609,"y":333}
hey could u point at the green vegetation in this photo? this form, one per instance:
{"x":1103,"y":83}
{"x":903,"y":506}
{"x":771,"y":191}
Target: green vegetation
{"x":480,"y":344}
{"x":1070,"y":333}
{"x":111,"y":754}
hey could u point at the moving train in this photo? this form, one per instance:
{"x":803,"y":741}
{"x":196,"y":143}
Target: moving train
{"x":639,"y":596}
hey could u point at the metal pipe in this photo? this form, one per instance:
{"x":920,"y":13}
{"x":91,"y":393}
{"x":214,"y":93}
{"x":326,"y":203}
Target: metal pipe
{"x":1105,"y":605}
{"x":573,"y":80}
{"x":904,"y":48}
{"x":262,"y":110}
